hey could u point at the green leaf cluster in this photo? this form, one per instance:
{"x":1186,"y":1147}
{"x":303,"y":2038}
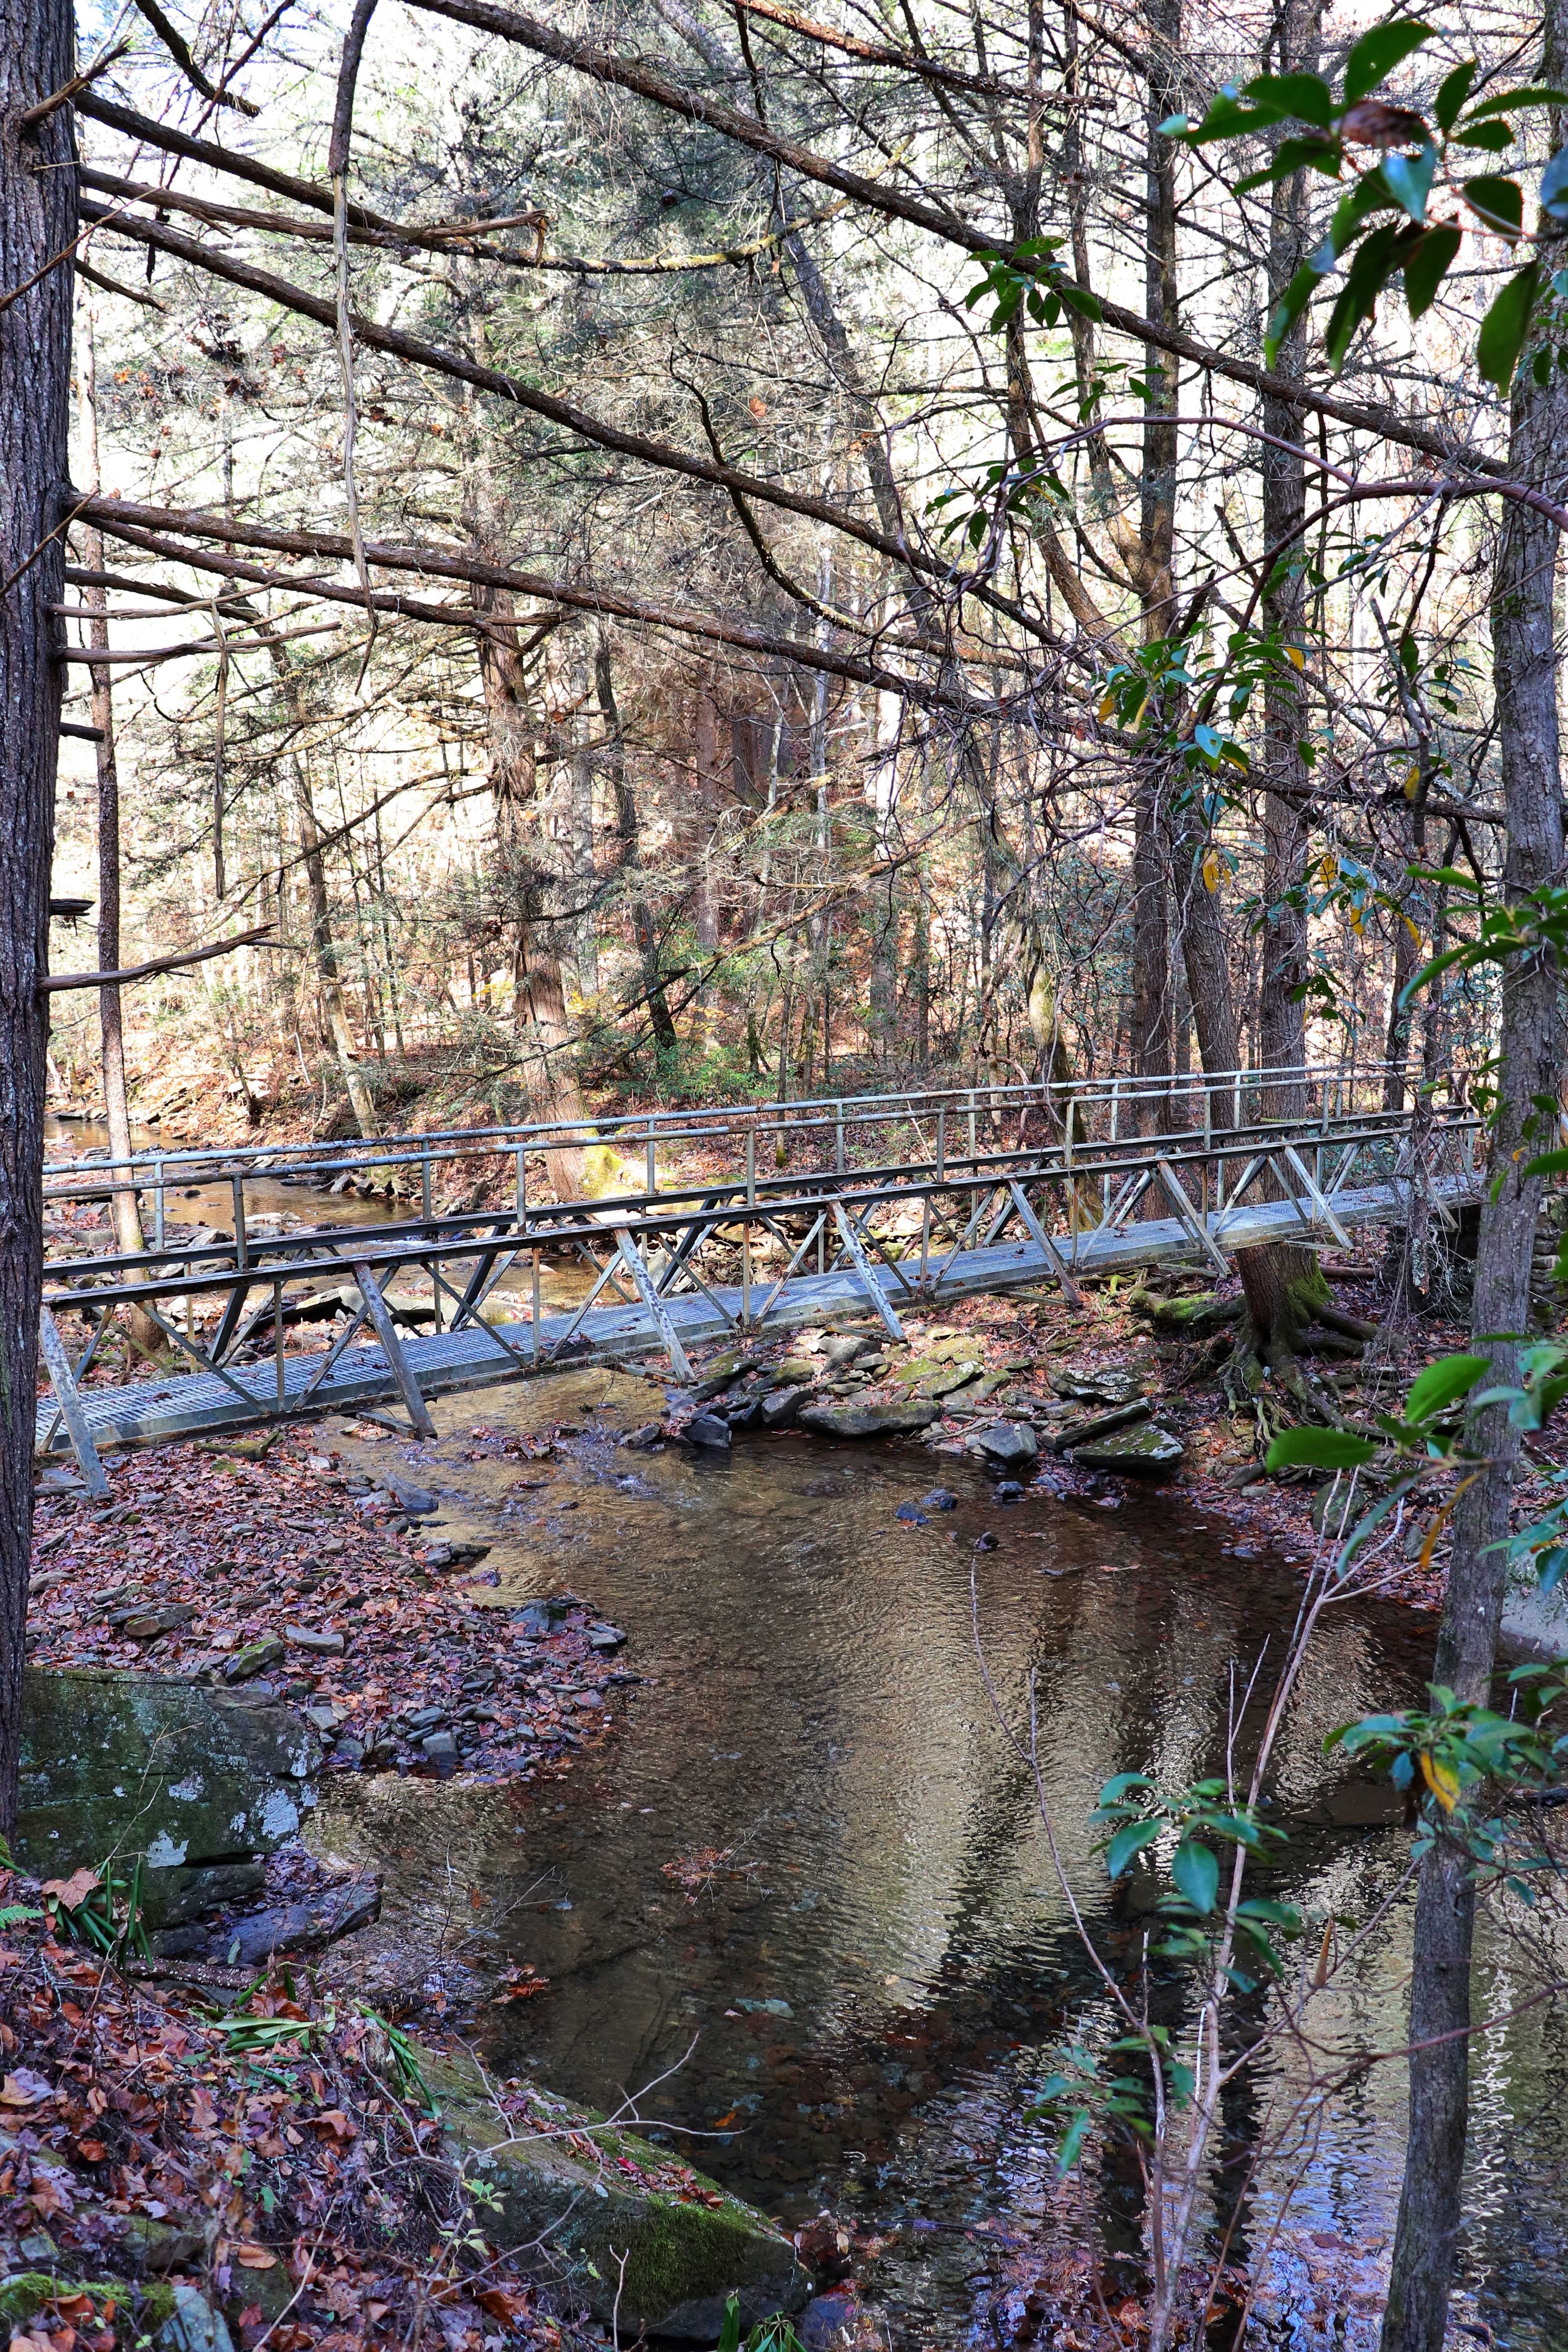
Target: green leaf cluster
{"x":1203,"y":1820}
{"x":1334,"y":129}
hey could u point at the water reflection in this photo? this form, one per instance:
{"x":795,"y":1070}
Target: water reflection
{"x":810,"y":1871}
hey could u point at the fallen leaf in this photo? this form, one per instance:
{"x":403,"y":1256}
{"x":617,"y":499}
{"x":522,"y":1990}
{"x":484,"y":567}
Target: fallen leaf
{"x":25,"y":2089}
{"x":334,"y":2120}
{"x":501,"y":2302}
{"x":255,"y":2258}
{"x":71,"y":1893}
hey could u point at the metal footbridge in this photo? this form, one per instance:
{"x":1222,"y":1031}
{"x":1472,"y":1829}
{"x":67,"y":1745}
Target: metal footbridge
{"x":674,"y":1227}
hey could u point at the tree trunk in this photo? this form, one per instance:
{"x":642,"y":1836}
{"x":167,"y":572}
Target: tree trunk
{"x":323,"y":951}
{"x":585,"y":874}
{"x":37,"y":222}
{"x":643,"y":932}
{"x":125,"y":1216}
{"x":1282,"y":1282}
{"x":325,"y":954}
{"x":1154,"y":569}
{"x":1530,"y":1049}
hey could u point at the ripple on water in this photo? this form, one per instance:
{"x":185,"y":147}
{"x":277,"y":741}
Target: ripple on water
{"x":808,"y":1875}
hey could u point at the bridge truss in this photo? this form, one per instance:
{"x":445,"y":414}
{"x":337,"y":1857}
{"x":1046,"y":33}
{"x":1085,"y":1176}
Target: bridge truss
{"x":688,"y":1224}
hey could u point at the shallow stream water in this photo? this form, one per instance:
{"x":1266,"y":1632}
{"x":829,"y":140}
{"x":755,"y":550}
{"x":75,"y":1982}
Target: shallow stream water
{"x":803,"y":1893}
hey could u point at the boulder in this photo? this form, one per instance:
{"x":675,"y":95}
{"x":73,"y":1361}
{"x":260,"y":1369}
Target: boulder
{"x":154,"y":1767}
{"x":1144,"y":1450}
{"x":1012,"y":1444}
{"x":1086,"y":1432}
{"x":780,"y":1408}
{"x":192,"y":2326}
{"x":312,"y":1638}
{"x":847,"y":1345}
{"x":706,"y":1429}
{"x":254,"y":1659}
{"x":947,"y":1380}
{"x":867,"y":1420}
{"x":544,"y":1616}
{"x":688,"y":2246}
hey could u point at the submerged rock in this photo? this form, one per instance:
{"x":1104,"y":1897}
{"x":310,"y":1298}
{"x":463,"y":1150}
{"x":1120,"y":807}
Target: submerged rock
{"x":306,"y":1927}
{"x":867,"y":1420}
{"x":595,"y":2195}
{"x":1144,"y":1450}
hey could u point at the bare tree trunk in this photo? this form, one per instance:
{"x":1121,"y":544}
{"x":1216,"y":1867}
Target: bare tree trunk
{"x":1154,"y":567}
{"x":585,"y":875}
{"x":325,"y":954}
{"x":117,"y":1109}
{"x":37,"y":222}
{"x":1283,"y":1284}
{"x":643,"y":932}
{"x":1531,"y":1042}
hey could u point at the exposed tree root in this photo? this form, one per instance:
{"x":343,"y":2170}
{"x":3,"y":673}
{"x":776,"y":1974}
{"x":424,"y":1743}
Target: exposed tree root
{"x":1266,"y":1375}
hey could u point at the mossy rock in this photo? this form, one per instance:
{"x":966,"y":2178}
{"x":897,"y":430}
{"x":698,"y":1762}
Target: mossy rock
{"x":151,"y":1765}
{"x":1197,"y":1315}
{"x":869,"y":1420}
{"x":591,"y":2194}
{"x":1144,"y":1451}
{"x":140,"y":2310}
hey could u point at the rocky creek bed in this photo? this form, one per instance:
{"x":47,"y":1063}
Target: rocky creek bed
{"x":416,"y":1607}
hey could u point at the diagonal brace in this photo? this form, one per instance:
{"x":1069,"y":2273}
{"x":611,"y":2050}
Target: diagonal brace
{"x":392,"y":1347}
{"x":631,"y":1259}
{"x":869,"y":1284}
{"x":1188,"y":1215}
{"x":1044,"y":1242}
{"x":69,"y":1397}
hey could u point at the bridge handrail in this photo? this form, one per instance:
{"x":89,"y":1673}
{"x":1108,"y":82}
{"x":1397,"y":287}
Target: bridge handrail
{"x":979,"y":1097}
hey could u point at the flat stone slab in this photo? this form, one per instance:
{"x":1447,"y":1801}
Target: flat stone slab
{"x":867,"y":1420}
{"x":1114,"y":1384}
{"x":594,"y":2195}
{"x":1145,"y":1450}
{"x":153,"y":1766}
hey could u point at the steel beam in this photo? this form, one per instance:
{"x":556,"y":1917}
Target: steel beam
{"x":402,"y":1371}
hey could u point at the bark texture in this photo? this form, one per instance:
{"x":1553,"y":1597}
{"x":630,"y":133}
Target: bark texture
{"x":1282,"y":1284}
{"x":37,"y":222}
{"x":1530,"y":1042}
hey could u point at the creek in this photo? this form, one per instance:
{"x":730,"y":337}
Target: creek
{"x":801,"y":1903}
{"x":804,"y":1892}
